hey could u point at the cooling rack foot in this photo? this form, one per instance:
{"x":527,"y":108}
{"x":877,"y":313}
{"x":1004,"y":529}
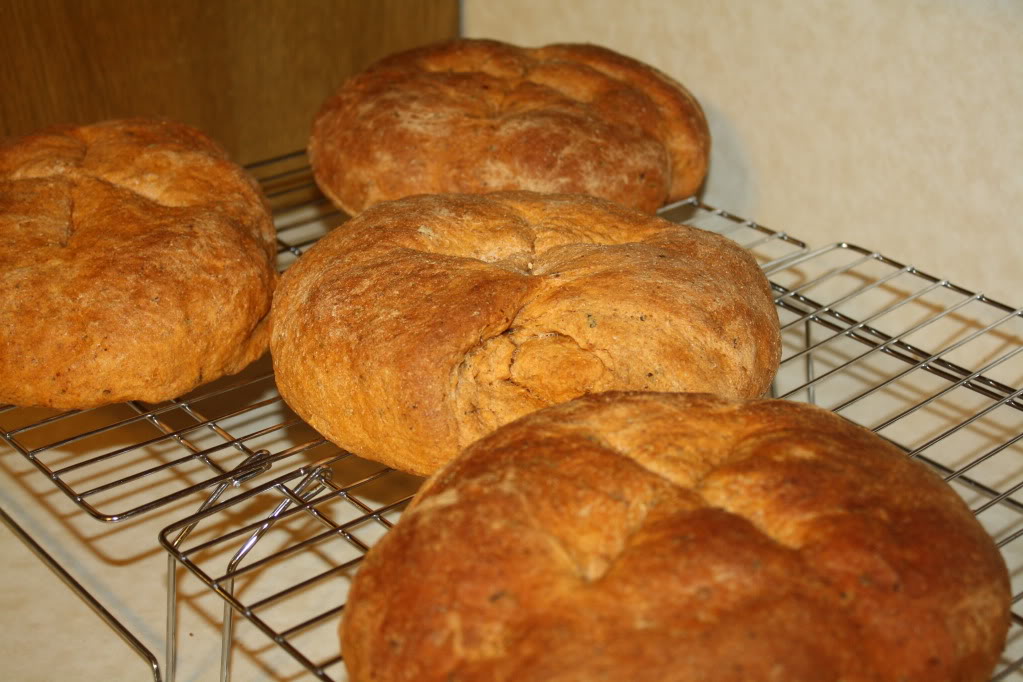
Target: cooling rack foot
{"x":44,"y":556}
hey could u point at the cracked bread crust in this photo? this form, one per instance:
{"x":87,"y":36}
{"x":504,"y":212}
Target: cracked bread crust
{"x":136,"y":262}
{"x":680,"y":538}
{"x":483,"y":116}
{"x":425,"y":323}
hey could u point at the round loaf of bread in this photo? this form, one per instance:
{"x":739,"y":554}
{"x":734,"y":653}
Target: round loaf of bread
{"x":482,"y":116}
{"x":656,"y":537}
{"x":136,"y":262}
{"x":427,"y":322}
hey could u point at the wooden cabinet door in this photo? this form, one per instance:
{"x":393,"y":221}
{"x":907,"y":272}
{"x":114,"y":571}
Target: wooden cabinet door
{"x":251,"y":73}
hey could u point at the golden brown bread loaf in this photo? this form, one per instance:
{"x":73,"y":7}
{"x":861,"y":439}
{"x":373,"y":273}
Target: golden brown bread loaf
{"x":482,"y":116}
{"x":136,"y":262}
{"x":427,"y":322}
{"x":680,"y":538}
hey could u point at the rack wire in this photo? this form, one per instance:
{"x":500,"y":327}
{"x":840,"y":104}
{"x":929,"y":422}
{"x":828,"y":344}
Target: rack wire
{"x":284,"y":517}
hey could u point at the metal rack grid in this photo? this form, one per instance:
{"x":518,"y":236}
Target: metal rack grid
{"x":929,"y":365}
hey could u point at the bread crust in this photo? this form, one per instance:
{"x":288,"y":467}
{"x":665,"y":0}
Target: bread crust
{"x":136,"y":262}
{"x":427,"y":322}
{"x":482,"y":116}
{"x":680,"y":538}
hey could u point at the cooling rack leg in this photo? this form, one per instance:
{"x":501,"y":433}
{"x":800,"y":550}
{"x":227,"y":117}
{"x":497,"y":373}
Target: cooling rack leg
{"x":84,"y":594}
{"x":172,"y":583}
{"x":307,"y":488}
{"x":227,"y":637}
{"x":811,"y":390}
{"x":171,"y":655}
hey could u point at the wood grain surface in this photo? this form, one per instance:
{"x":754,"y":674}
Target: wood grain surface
{"x":250,"y":73}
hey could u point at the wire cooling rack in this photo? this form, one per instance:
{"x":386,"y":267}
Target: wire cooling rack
{"x":282,"y":518}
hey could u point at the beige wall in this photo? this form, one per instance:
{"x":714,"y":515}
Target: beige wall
{"x":897,"y":126}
